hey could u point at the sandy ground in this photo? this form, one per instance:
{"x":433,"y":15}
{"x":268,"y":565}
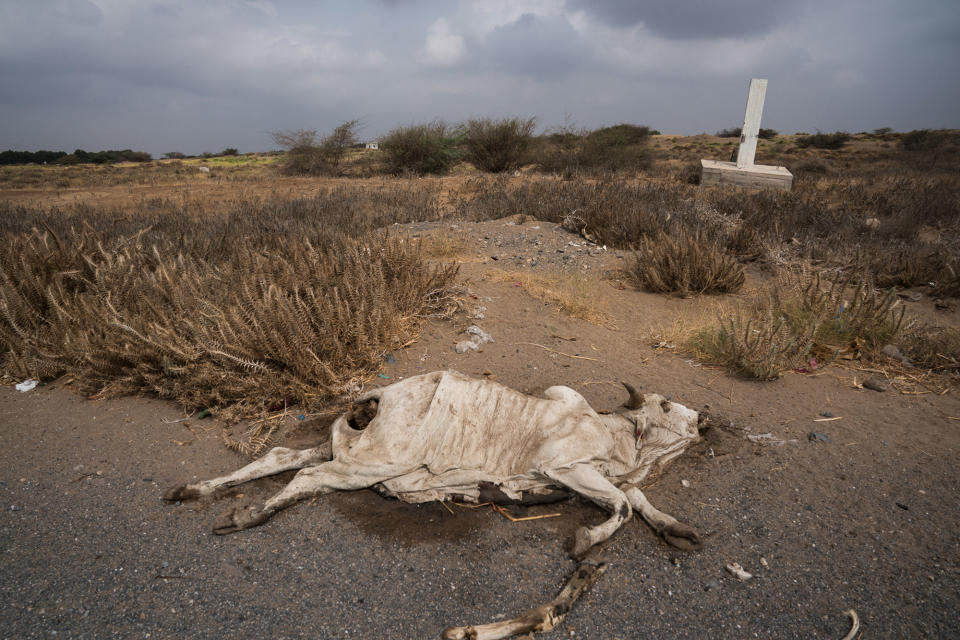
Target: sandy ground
{"x":868,"y":520}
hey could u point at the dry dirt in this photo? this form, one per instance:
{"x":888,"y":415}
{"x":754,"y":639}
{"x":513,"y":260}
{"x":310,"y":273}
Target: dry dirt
{"x":867,"y":520}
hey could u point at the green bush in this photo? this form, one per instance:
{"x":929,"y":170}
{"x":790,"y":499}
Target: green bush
{"x":922,"y":140}
{"x":229,"y":151}
{"x":498,"y":145}
{"x":824,"y":140}
{"x":421,"y":148}
{"x":763,"y":134}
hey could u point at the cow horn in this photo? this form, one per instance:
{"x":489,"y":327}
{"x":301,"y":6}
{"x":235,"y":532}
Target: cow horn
{"x":636,"y":398}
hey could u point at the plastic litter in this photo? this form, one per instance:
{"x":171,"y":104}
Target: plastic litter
{"x":27,"y":385}
{"x":477,"y":338}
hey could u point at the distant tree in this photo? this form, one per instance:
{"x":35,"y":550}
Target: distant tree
{"x":309,"y":154}
{"x":882,"y":131}
{"x":174,"y":155}
{"x":229,"y":151}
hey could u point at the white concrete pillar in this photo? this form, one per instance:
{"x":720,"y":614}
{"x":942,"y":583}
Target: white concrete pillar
{"x":751,"y":123}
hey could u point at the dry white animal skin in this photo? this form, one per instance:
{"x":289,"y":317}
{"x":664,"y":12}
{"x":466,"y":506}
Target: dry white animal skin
{"x":738,"y":572}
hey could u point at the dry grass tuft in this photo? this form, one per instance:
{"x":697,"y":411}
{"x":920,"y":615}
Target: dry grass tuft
{"x":685,"y":263}
{"x":265,"y":307}
{"x":443,"y":244}
{"x":573,"y":294}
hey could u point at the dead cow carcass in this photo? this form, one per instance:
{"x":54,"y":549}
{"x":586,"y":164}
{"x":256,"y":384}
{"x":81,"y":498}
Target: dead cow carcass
{"x":444,"y":435}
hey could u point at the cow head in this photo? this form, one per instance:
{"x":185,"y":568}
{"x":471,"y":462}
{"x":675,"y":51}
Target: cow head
{"x":663,"y":428}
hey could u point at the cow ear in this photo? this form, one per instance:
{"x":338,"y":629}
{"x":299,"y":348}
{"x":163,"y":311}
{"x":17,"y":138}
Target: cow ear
{"x":635,"y":401}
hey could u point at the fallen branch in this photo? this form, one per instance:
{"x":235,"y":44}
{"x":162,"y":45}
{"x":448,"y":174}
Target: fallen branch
{"x":542,"y":618}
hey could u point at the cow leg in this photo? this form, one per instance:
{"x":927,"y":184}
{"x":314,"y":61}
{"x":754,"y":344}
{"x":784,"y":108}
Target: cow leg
{"x":277,"y":460}
{"x":672,"y":530}
{"x":312,"y":481}
{"x":587,"y":481}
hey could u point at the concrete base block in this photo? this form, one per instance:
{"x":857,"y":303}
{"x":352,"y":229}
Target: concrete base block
{"x":758,"y":176}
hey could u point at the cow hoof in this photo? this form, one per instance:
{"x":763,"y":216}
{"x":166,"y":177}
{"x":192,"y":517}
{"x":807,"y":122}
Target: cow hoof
{"x":682,"y":537}
{"x":459,"y":633}
{"x":581,"y":543}
{"x":239,"y":519}
{"x":181,"y":492}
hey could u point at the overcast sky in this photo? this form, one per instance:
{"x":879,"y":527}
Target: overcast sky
{"x":195,"y":75}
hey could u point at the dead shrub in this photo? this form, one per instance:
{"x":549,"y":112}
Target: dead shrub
{"x":933,"y":348}
{"x":308,"y":154}
{"x":684,"y":263}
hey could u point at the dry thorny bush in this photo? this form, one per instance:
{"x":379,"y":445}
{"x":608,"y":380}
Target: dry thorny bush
{"x":686,"y":262}
{"x":264,"y":307}
{"x":798,"y":314}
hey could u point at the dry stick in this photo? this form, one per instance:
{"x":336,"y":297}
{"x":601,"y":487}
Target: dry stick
{"x":854,"y":624}
{"x":714,"y":390}
{"x":512,"y":518}
{"x":828,"y":419}
{"x":534,"y":344}
{"x":542,"y":618}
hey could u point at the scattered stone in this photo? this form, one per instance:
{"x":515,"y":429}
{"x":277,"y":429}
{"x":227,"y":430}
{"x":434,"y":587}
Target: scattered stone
{"x":685,"y":483}
{"x":893,"y":351}
{"x":709,"y":585}
{"x":902,"y":506}
{"x":816,"y":435}
{"x":876,"y":383}
{"x":763,"y":561}
{"x":911,"y":296}
{"x":826,"y":414}
{"x":738,"y":572}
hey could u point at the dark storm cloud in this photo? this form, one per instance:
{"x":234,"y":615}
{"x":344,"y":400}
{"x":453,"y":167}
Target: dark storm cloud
{"x":547,"y":48}
{"x":692,"y":18}
{"x":165,"y":75}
